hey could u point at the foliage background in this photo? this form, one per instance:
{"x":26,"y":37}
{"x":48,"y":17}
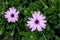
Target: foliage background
{"x":19,"y":30}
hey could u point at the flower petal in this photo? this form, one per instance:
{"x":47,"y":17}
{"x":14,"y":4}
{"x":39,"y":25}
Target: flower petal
{"x":33,"y":29}
{"x":39,"y":28}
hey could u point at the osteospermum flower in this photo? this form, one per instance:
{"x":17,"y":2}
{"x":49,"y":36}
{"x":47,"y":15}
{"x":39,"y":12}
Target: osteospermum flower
{"x":11,"y":15}
{"x":36,"y":22}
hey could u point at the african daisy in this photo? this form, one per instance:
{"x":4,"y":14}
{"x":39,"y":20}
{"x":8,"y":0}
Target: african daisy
{"x":36,"y":22}
{"x":11,"y":15}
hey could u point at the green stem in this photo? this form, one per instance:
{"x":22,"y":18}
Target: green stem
{"x":44,"y":36}
{"x":44,"y":4}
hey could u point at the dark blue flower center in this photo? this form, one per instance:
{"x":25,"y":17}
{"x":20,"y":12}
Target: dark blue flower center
{"x":36,"y":21}
{"x":12,"y":15}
